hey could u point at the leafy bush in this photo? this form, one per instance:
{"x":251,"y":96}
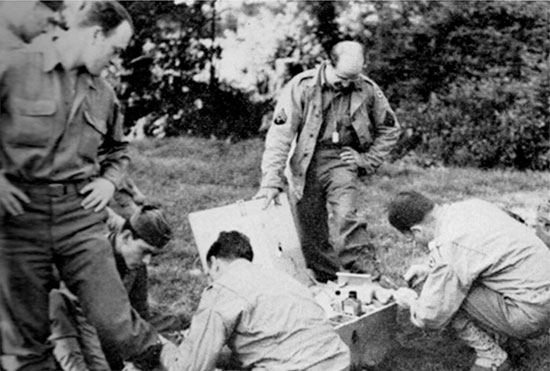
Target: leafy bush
{"x":494,"y":122}
{"x":219,"y":113}
{"x":470,"y":80}
{"x":173,"y":45}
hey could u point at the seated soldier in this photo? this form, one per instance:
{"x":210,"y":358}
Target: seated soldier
{"x":268,"y":320}
{"x":488,"y":276}
{"x":134,"y":241}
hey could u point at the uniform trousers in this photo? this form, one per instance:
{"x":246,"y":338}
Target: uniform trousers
{"x":56,"y":230}
{"x":331,"y":185}
{"x":503,"y":315}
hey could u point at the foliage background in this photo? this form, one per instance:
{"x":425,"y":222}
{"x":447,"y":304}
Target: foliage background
{"x":470,"y":80}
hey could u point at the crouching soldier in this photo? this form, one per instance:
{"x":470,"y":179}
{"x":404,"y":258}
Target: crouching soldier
{"x":134,"y":241}
{"x":488,"y":276}
{"x":268,"y":320}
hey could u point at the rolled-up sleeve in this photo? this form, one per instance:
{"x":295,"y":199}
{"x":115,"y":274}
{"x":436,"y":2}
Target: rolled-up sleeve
{"x":441,"y":296}
{"x":282,"y":132}
{"x":386,"y":129}
{"x":454,"y":269}
{"x":211,"y":327}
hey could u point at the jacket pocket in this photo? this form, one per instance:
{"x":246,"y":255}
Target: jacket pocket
{"x":93,"y":133}
{"x":32,"y":122}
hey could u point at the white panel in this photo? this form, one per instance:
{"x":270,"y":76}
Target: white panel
{"x":272,"y":233}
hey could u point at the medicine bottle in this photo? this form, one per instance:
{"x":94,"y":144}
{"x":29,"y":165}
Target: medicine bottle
{"x":351,"y":305}
{"x":336,"y":303}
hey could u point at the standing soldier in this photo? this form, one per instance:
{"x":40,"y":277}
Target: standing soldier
{"x":20,"y":22}
{"x":341,"y":124}
{"x":61,"y":159}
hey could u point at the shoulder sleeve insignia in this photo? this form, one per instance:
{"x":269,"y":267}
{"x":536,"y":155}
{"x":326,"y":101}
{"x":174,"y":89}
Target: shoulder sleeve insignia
{"x":280,"y":118}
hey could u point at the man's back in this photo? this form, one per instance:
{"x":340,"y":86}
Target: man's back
{"x":271,"y":321}
{"x":482,"y":241}
{"x":281,"y":326}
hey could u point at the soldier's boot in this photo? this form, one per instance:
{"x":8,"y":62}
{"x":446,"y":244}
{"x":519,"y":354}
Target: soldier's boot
{"x":489,"y":355}
{"x":365,"y":262}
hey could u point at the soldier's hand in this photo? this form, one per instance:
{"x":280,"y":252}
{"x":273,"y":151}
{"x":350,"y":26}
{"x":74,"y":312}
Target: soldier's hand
{"x":352,"y":157}
{"x":170,"y":358}
{"x":405,"y":297}
{"x":98,"y":194}
{"x":11,"y":197}
{"x":271,"y":194}
{"x":416,"y":274}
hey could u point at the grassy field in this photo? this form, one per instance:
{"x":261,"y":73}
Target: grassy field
{"x":189,"y":174}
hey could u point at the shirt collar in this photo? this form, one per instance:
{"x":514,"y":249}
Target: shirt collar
{"x":323,"y":76}
{"x":10,"y":41}
{"x":45,"y":44}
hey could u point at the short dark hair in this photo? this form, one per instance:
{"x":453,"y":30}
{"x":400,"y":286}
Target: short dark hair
{"x":107,"y":14}
{"x":408,"y":209}
{"x":149,"y":224}
{"x":231,"y":245}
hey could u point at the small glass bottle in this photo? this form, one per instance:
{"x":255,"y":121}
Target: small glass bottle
{"x":336,"y":303}
{"x":352,"y":306}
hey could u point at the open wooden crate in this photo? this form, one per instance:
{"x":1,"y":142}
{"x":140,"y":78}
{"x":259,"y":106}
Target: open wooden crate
{"x":275,"y":243}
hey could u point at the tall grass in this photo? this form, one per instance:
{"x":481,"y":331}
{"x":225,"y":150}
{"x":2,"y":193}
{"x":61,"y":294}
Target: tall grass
{"x":189,"y":174}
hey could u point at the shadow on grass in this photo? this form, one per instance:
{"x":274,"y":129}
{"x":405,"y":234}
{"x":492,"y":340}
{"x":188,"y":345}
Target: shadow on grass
{"x":418,"y":350}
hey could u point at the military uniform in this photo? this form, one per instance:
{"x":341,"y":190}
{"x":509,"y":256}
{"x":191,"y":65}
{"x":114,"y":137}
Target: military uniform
{"x":312,"y":125}
{"x":8,"y":41}
{"x":268,"y":320}
{"x":76,"y":343}
{"x":490,"y":266}
{"x":53,"y":131}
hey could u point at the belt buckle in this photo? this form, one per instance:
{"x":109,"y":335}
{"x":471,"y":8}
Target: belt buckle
{"x":58,"y":189}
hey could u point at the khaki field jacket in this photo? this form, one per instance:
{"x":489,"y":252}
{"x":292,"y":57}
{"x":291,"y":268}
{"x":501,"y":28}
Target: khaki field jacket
{"x":292,"y":137}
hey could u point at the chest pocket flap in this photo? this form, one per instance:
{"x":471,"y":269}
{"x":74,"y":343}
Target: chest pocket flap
{"x":27,"y":107}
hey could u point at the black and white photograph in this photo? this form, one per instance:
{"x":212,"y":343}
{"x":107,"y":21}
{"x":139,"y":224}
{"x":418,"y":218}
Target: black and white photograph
{"x":275,"y":185}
